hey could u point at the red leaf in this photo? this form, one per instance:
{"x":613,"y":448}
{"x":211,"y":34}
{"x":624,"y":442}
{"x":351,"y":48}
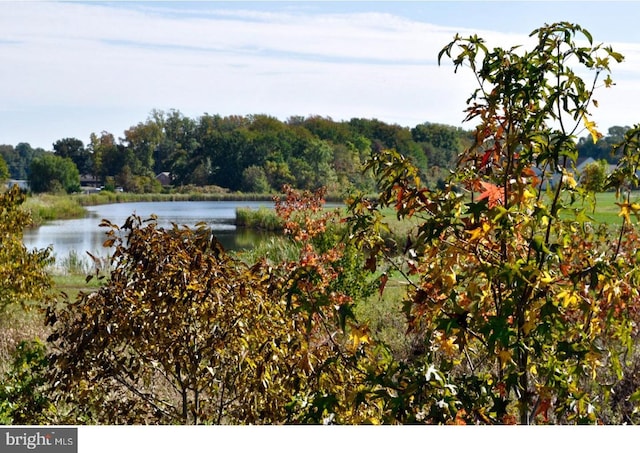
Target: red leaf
{"x":485,"y":158}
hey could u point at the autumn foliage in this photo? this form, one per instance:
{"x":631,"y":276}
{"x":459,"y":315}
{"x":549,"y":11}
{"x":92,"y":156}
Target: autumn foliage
{"x":182,"y":332}
{"x":528,"y":306}
{"x":23,"y":276}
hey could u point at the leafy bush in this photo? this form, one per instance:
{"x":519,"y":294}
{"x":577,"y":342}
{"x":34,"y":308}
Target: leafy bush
{"x":24,"y":392}
{"x":526,"y":306}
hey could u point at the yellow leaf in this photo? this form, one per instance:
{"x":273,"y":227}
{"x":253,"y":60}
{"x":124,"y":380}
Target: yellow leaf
{"x":591,"y":127}
{"x":479,"y":232}
{"x":475,"y":234}
{"x":504,"y":356}
{"x":526,"y":195}
{"x":624,"y":211}
{"x":449,"y":278}
{"x":592,"y":359}
{"x":449,"y":346}
{"x":528,"y":326}
{"x":546,"y":278}
{"x":567,"y":298}
{"x":359,"y":335}
{"x":568,"y":179}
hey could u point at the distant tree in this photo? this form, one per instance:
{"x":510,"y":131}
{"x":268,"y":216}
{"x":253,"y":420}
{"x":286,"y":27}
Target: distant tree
{"x":19,"y":159}
{"x":102,"y":149}
{"x":74,"y":149}
{"x":594,"y":176}
{"x":441,"y":143}
{"x":327,"y":129}
{"x":255,"y":180}
{"x":604,"y":147}
{"x":114,"y":158}
{"x":144,"y":140}
{"x":278,"y":174}
{"x":126,"y":180}
{"x":178,"y":153}
{"x":51,"y":173}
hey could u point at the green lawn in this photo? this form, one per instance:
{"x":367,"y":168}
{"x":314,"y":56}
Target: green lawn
{"x":606,"y":210}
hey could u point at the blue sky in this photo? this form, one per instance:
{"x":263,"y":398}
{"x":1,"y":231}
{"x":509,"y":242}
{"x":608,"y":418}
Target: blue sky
{"x":75,"y":68}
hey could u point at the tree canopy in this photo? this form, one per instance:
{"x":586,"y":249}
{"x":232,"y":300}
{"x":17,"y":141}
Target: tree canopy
{"x":52,"y":173}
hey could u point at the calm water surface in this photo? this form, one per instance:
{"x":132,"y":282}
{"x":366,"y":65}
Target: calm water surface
{"x":85,"y":235}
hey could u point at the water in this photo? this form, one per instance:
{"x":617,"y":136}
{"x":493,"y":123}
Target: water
{"x":79,"y":236}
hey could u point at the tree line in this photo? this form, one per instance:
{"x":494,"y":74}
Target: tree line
{"x":253,"y":153}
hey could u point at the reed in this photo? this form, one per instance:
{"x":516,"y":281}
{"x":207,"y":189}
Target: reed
{"x":46,"y":207}
{"x":276,"y":249}
{"x":264,"y":219}
{"x":106,"y":197}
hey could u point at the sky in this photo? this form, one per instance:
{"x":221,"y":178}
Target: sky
{"x":69,"y":69}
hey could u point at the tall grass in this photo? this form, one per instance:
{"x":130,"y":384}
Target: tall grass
{"x":17,"y":325}
{"x":106,"y":197}
{"x":46,"y":207}
{"x":260,"y":219}
{"x":275,"y":249}
{"x":386,"y":320}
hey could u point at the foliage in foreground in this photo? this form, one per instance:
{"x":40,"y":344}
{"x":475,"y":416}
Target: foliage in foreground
{"x":530,"y":308}
{"x":24,"y":390}
{"x":23,"y":275}
{"x":182,"y":332}
{"x":23,"y":280}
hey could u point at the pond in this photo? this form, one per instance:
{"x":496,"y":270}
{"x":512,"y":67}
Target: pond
{"x":78,"y":236}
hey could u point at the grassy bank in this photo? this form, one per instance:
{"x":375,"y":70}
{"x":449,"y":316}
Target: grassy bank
{"x":258,"y":219}
{"x":105,"y":197}
{"x":47,"y":207}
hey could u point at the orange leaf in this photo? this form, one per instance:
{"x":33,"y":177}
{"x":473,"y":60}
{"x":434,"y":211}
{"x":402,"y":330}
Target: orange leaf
{"x":493,"y":193}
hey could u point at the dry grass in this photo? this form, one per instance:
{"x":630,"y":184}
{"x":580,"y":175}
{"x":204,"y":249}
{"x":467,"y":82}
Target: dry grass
{"x":17,"y":325}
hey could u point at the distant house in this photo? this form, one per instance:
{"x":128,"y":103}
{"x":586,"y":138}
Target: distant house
{"x":579,"y":167}
{"x":164,"y":178}
{"x":582,"y":162}
{"x":90,"y":181}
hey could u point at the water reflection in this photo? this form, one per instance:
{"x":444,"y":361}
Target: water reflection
{"x":85,"y":235}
